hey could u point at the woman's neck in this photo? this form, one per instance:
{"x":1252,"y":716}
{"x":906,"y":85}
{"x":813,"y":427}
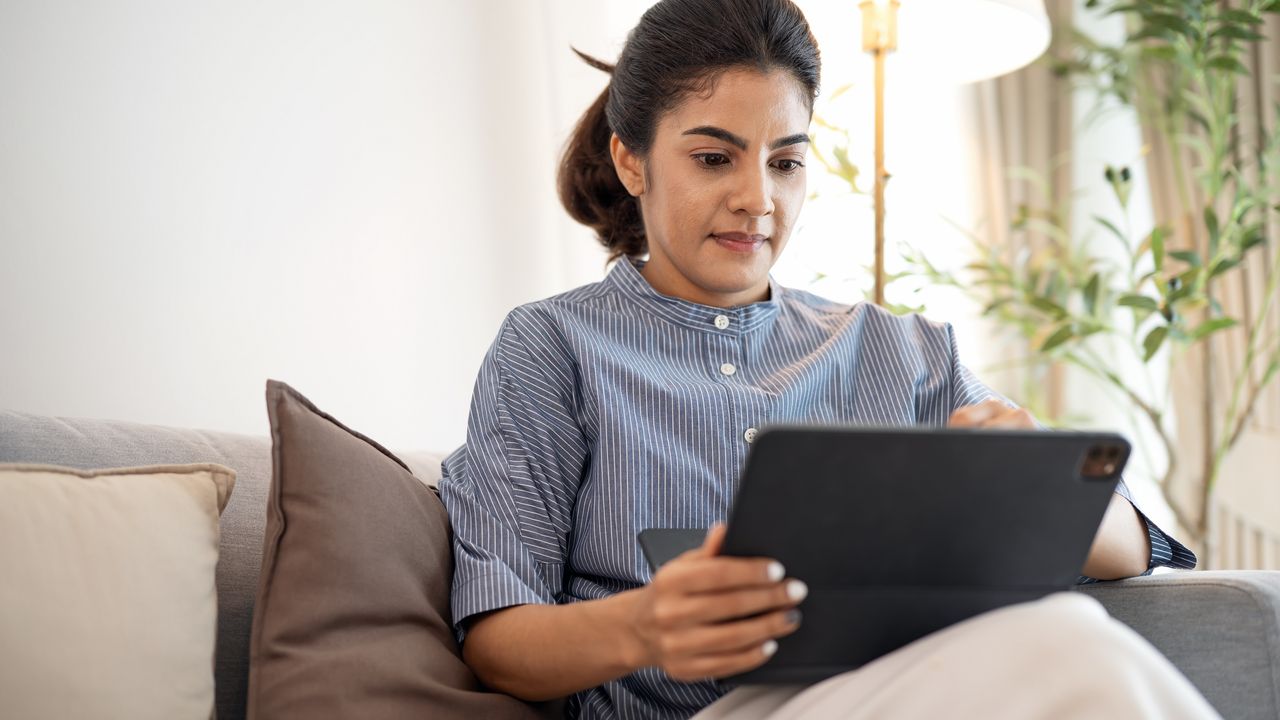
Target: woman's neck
{"x":667,"y":280}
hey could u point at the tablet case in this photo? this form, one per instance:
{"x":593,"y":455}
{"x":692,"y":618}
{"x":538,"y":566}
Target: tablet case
{"x":902,"y":532}
{"x":663,"y":544}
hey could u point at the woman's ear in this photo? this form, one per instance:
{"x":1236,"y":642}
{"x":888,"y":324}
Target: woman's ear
{"x":630,"y":167}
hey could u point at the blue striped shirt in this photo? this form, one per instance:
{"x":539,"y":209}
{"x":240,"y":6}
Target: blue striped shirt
{"x":612,"y":408}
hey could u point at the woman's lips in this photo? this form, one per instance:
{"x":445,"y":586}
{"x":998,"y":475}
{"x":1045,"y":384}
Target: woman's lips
{"x":739,"y":242}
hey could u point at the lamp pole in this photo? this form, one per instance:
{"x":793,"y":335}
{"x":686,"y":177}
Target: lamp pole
{"x":879,"y":37}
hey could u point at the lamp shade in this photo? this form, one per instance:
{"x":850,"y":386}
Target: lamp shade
{"x":970,"y":40}
{"x":939,"y":41}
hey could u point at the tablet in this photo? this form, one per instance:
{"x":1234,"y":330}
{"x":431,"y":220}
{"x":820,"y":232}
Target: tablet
{"x":902,"y":532}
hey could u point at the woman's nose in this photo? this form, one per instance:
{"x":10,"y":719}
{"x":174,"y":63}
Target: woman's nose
{"x":753,"y":194}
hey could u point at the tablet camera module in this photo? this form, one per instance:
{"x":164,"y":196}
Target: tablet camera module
{"x":1102,"y":461}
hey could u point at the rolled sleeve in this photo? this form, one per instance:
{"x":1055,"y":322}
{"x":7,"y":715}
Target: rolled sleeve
{"x":1166,"y":551}
{"x":509,"y":490}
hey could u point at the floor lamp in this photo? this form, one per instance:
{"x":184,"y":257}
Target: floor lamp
{"x":967,"y":40}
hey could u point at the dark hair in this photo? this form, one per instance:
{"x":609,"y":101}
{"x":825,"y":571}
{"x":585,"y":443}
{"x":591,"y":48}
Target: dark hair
{"x":678,"y":47}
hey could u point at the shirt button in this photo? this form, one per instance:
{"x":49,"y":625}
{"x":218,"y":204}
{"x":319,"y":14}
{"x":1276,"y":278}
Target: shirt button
{"x":728,"y":369}
{"x":722,"y":321}
{"x":749,"y":435}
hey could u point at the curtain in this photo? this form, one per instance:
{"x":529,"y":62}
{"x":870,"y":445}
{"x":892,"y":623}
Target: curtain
{"x":1024,"y":120}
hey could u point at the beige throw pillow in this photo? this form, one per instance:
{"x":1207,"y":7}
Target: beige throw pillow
{"x":107,"y":599}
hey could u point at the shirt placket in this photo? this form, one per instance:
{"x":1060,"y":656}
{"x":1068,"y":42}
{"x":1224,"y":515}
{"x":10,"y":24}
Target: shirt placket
{"x":726,"y":363}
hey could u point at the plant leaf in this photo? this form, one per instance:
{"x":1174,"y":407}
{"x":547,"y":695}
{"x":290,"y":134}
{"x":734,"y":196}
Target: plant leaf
{"x":1211,"y":223}
{"x":1152,"y":31}
{"x":1153,"y":341}
{"x":1252,"y":239}
{"x":1272,"y":368}
{"x":1060,"y":336}
{"x":1222,"y":266}
{"x":1190,"y":257}
{"x":1240,"y":16}
{"x":1128,"y":7}
{"x":992,"y":307}
{"x":1110,"y":226}
{"x":1166,"y":53}
{"x":1141,"y":302}
{"x":1236,"y":32}
{"x":1049,"y":306}
{"x":1091,"y":294}
{"x":845,"y":168}
{"x":1171,"y":22}
{"x":1209,"y":327}
{"x":1228,"y":63}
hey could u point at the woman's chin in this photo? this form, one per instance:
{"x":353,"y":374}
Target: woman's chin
{"x":738,"y":268}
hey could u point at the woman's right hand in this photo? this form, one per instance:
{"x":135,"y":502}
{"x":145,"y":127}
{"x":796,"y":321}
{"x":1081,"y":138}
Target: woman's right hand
{"x":694,"y":620}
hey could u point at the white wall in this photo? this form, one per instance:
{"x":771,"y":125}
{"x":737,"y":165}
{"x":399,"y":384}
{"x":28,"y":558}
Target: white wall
{"x":346,"y":196}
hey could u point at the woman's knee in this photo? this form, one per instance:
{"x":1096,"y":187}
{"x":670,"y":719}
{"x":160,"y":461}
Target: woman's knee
{"x":1070,"y":630}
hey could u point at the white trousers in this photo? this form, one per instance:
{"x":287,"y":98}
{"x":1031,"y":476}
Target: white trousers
{"x":1058,"y":657}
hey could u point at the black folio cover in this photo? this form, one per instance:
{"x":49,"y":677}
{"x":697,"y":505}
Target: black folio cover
{"x":899,"y":533}
{"x":661,"y":545}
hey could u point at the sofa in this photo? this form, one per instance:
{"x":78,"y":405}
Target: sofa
{"x":1221,"y":629}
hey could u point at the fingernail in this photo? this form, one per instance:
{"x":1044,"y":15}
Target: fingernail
{"x":797,"y":590}
{"x":776,"y":571}
{"x":770,"y":647}
{"x":793,"y":617}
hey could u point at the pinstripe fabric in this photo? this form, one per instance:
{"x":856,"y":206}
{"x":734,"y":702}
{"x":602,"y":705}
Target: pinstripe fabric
{"x":612,"y":408}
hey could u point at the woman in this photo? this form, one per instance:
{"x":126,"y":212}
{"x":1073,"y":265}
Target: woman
{"x":631,"y":403}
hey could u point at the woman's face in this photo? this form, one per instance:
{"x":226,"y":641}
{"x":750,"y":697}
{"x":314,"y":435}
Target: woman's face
{"x":721,"y":187}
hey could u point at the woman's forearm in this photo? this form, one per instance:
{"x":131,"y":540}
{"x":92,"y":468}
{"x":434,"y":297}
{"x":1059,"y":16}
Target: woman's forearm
{"x":1121,"y":548}
{"x":543,"y":652}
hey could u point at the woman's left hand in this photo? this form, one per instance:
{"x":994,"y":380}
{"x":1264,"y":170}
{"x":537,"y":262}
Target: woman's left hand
{"x":992,"y":414}
{"x":1121,"y":548}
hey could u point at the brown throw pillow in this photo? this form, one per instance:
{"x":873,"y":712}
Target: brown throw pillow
{"x":352,"y":617}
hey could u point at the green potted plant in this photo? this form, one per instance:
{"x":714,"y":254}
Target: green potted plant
{"x":1178,"y":68}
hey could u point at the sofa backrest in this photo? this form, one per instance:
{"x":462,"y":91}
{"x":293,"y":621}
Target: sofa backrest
{"x":90,"y":443}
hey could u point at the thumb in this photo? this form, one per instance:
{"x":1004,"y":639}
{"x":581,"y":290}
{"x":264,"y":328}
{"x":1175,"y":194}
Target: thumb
{"x":714,"y":540}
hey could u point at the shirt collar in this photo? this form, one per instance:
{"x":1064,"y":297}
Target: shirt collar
{"x":625,"y":278}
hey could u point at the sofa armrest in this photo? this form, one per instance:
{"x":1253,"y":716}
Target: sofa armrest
{"x":1221,"y":629}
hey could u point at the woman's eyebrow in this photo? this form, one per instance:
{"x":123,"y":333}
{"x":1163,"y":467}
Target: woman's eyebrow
{"x":725,"y":135}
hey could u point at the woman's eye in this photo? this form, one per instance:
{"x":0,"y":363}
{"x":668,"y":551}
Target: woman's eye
{"x":712,"y":159}
{"x":716,"y":160}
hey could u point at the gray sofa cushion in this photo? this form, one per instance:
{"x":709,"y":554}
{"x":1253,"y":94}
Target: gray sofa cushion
{"x":1221,"y":629}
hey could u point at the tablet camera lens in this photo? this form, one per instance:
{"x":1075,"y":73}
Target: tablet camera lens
{"x":1101,"y":461}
